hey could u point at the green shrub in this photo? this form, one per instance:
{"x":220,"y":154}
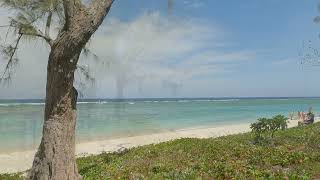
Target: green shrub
{"x":265,"y":127}
{"x":260,"y":127}
{"x":278,"y":122}
{"x":17,"y":176}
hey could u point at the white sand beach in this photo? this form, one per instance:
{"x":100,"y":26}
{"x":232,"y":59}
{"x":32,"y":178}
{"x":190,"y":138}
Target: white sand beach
{"x":21,"y":161}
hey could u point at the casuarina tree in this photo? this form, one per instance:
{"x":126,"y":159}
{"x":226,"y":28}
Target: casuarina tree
{"x":66,"y":26}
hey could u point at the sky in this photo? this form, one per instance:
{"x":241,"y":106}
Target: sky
{"x":199,"y":48}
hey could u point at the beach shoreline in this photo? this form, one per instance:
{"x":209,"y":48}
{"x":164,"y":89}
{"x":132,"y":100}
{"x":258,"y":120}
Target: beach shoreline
{"x":21,"y":161}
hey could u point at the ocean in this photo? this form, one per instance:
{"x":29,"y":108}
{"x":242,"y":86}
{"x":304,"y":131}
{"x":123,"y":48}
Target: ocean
{"x":21,"y":120}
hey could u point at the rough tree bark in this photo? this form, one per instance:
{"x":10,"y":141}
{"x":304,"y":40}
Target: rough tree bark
{"x":55,"y":158}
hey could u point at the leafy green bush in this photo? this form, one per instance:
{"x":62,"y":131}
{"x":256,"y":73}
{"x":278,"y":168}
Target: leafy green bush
{"x":278,"y":122}
{"x":17,"y":176}
{"x":260,"y":127}
{"x":264,"y":126}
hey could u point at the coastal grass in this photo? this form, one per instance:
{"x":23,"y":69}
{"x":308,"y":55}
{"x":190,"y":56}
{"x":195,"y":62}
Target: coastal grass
{"x":292,"y":154}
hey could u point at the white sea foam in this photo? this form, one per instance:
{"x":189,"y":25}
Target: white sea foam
{"x":208,"y":100}
{"x":104,"y":102}
{"x":21,"y":104}
{"x":147,"y":101}
{"x":225,"y":100}
{"x":34,"y":104}
{"x":41,"y":104}
{"x":183,"y":101}
{"x":282,"y":99}
{"x":94,"y":102}
{"x":87,"y":102}
{"x":190,"y":100}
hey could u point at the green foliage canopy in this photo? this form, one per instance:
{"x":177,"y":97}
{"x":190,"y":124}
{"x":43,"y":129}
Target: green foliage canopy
{"x":31,"y":20}
{"x":265,"y":126}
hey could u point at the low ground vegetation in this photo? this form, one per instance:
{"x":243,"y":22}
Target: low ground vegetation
{"x":293,"y":154}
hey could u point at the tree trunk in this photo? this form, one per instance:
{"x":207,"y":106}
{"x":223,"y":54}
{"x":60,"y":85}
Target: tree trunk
{"x":55,"y":159}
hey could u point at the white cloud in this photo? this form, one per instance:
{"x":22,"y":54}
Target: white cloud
{"x":148,"y":56}
{"x":285,"y":61}
{"x":168,"y":52}
{"x":194,"y":3}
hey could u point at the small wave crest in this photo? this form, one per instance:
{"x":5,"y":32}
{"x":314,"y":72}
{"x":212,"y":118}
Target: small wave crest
{"x":98,"y":102}
{"x":191,"y":100}
{"x":184,"y":101}
{"x":21,"y":104}
{"x":42,"y":104}
{"x":225,"y":100}
{"x":128,"y":102}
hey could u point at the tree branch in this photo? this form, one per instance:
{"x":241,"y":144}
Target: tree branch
{"x":10,"y":60}
{"x":36,"y":34}
{"x":48,"y":25}
{"x":5,"y":26}
{"x":47,"y":39}
{"x":100,"y":8}
{"x":70,"y":9}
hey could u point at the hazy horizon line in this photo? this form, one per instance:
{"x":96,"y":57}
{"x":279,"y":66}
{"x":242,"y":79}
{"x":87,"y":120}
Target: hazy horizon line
{"x":222,"y":97}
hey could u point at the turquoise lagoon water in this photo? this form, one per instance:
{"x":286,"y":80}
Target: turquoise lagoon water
{"x":21,"y":120}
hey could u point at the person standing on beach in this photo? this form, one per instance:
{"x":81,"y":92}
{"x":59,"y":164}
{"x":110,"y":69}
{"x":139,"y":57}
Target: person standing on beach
{"x":303,"y":116}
